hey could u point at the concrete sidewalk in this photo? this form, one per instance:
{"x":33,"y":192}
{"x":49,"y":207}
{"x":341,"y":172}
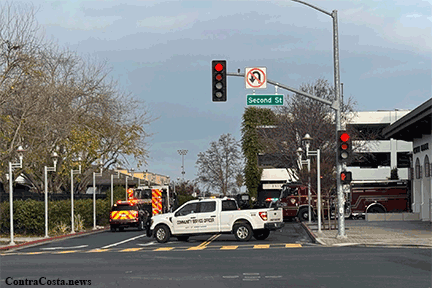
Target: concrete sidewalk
{"x":24,"y":242}
{"x":377,"y":233}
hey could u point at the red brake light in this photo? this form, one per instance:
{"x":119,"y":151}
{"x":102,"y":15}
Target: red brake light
{"x":263,"y":215}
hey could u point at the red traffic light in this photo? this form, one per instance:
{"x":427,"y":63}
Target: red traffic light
{"x":218,"y":77}
{"x":344,"y":146}
{"x":346,"y":177}
{"x":219,"y":67}
{"x":344,"y":137}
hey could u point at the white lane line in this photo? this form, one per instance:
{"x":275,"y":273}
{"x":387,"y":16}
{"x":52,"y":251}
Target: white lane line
{"x":147,"y":244}
{"x":273,"y":277}
{"x":121,"y":242}
{"x":229,"y":277}
{"x":55,"y":248}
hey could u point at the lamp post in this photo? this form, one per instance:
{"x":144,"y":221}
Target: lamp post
{"x":301,"y":163}
{"x":182,"y":153}
{"x":126,"y":185}
{"x":112,"y":186}
{"x":72,"y":195}
{"x":46,"y":169}
{"x":12,"y":166}
{"x":336,"y":104}
{"x":94,"y":194}
{"x":307,"y":141}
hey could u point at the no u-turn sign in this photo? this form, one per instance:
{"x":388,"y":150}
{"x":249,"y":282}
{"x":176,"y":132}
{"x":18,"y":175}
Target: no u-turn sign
{"x":256,"y":78}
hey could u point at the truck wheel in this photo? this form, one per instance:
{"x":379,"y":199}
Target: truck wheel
{"x":113,"y":228}
{"x":375,"y":209}
{"x":242,"y":232}
{"x":121,"y":229}
{"x":303,"y":214}
{"x":182,"y":238}
{"x":162,"y":234}
{"x":261,"y":234}
{"x":141,"y":225}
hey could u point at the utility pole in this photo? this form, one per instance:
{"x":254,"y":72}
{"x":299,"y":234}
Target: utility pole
{"x":182,"y":153}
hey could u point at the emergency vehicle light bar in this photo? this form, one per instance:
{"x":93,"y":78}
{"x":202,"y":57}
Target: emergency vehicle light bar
{"x":271,"y":199}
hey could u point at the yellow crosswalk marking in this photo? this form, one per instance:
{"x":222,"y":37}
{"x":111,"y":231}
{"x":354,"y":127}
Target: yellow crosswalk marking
{"x":292,"y":245}
{"x":261,"y":246}
{"x":34,"y":253}
{"x":131,"y":249}
{"x":197,"y":248}
{"x":67,"y":251}
{"x":229,"y":247}
{"x":164,"y":249}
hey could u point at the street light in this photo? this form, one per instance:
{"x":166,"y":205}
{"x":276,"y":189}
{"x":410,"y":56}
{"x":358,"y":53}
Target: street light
{"x":12,"y":166}
{"x":112,"y":185}
{"x":307,"y":140}
{"x":301,"y":163}
{"x":94,"y":194}
{"x":72,"y":194}
{"x":182,"y":153}
{"x":336,"y":104}
{"x":46,"y":169}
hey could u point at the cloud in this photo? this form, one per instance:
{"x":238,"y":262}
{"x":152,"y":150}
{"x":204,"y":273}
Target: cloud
{"x":167,"y":22}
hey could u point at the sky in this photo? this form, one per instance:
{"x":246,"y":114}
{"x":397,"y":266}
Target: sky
{"x":161,"y":53}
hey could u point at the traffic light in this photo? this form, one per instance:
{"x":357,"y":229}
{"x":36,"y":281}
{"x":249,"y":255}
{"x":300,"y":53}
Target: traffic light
{"x":219,"y":82}
{"x":344,"y":146}
{"x":346,"y":177}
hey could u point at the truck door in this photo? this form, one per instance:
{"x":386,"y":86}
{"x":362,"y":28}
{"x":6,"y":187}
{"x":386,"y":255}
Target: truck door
{"x":183,"y":221}
{"x":208,"y":219}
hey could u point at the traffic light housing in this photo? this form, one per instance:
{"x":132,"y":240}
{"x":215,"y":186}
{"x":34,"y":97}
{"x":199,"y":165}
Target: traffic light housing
{"x":344,"y":146}
{"x":346,"y":177}
{"x":219,"y":81}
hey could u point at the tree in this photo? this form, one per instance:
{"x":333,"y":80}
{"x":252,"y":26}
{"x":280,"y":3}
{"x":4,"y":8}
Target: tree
{"x":220,"y":164}
{"x":53,"y":100}
{"x":253,"y":117}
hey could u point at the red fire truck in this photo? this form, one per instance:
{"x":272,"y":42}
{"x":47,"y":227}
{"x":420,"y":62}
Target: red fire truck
{"x":294,"y":201}
{"x":379,"y":197}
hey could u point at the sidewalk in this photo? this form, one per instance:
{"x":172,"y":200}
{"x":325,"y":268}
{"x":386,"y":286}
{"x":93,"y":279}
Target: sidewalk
{"x":23,"y":242}
{"x":376,"y":233}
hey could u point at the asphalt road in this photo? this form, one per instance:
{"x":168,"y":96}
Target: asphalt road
{"x":285,"y":259}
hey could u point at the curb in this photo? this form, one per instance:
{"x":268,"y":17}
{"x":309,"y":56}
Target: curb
{"x":51,"y":239}
{"x":310,"y":233}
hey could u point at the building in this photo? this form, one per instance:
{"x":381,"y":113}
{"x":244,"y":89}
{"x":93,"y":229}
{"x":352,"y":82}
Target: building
{"x":416,"y":127}
{"x":374,"y":159}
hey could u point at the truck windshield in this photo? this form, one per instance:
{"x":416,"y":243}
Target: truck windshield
{"x":123,"y":208}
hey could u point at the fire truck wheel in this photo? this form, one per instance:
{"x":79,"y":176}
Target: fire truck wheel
{"x":113,"y":228}
{"x":242,"y":232}
{"x":261,"y":234}
{"x":375,"y":209}
{"x":303,"y":214}
{"x":182,"y":238}
{"x":121,"y":229}
{"x":162,"y":234}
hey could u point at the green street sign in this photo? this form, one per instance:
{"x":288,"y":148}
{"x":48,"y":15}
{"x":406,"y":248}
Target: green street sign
{"x":264,"y":99}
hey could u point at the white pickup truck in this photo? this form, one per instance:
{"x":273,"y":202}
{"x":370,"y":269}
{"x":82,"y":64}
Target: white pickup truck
{"x":217,"y":215}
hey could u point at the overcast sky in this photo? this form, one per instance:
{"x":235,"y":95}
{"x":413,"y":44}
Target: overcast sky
{"x":161,"y":52}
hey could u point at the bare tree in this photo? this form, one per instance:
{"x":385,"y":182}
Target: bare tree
{"x":219,"y":166}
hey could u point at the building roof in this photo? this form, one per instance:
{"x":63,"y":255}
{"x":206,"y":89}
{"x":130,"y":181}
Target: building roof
{"x":413,"y":125}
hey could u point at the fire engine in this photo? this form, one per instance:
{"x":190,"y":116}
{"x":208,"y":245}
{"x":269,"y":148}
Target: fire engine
{"x":294,"y":201}
{"x":378,"y":197}
{"x":143,"y":203}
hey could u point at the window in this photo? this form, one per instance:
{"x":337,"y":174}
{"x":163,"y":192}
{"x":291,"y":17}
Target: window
{"x":207,"y":206}
{"x":403,"y":160}
{"x":190,"y":208}
{"x":124,"y":207}
{"x":370,"y":160}
{"x":228,"y":205}
{"x":417,"y":169}
{"x":427,"y":166}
